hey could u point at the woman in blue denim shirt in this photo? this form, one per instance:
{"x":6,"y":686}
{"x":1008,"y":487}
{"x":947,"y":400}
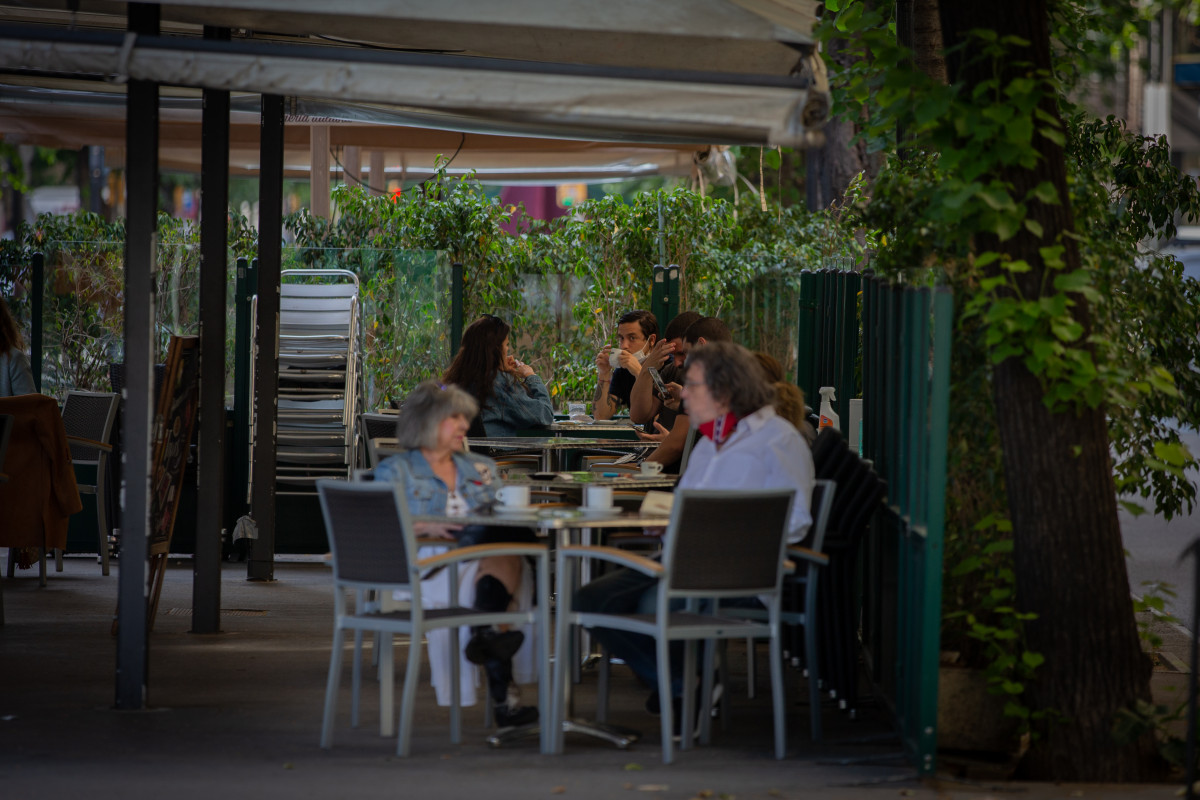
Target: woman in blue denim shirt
{"x":439,"y":477}
{"x":509,"y":395}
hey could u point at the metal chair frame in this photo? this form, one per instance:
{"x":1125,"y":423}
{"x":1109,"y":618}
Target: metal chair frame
{"x":88,"y":419}
{"x":704,"y":561}
{"x":374,"y":549}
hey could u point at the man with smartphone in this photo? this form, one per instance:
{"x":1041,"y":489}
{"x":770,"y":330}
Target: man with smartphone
{"x":617,"y":370}
{"x":648,"y":402}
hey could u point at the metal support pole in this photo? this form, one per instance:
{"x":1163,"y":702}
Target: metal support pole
{"x":141,"y":144}
{"x":457,"y":288}
{"x":214,"y":202}
{"x":37,"y":289}
{"x":1193,"y":550}
{"x":261,"y":566}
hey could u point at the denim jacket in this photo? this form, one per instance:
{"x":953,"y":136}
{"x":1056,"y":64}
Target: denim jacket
{"x":426,"y":493}
{"x":513,"y":407}
{"x":15,"y":376}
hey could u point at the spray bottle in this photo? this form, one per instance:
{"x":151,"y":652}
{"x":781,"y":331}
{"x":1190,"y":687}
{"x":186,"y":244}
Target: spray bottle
{"x":829,"y":419}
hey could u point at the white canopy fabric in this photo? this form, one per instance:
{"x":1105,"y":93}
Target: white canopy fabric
{"x":718,"y":71}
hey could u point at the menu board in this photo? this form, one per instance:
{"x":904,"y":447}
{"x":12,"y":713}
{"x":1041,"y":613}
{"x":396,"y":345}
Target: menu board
{"x":173,"y":424}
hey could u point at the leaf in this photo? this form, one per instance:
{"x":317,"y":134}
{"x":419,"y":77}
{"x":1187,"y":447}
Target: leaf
{"x":1033,"y":660}
{"x":1045,"y":192}
{"x":996,"y":197}
{"x":1174,"y":453}
{"x":1075,"y":281}
{"x":1034,"y":227}
{"x":633,"y":767}
{"x":1053,"y":135}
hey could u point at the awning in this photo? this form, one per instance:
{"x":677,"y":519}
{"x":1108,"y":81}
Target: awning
{"x":76,"y":114}
{"x":715,"y":71}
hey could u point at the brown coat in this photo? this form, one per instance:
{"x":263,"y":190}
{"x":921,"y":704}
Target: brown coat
{"x":40,"y":496}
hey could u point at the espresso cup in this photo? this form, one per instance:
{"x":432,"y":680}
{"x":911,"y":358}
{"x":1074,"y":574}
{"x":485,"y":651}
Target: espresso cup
{"x":513,"y":496}
{"x":614,"y":359}
{"x":649,"y":468}
{"x":597,"y":497}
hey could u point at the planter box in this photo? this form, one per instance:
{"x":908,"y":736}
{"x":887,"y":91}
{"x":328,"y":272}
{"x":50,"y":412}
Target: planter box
{"x":969,"y":718}
{"x":1169,"y":687}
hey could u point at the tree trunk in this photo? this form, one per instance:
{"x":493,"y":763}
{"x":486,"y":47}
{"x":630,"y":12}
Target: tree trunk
{"x":831,"y":167}
{"x":1070,"y":565}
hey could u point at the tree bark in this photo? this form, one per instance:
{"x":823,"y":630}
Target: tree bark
{"x":1070,"y":565}
{"x":831,"y":167}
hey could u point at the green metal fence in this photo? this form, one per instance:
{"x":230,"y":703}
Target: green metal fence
{"x":897,"y":348}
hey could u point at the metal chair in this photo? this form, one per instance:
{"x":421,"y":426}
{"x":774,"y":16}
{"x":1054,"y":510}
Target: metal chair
{"x":88,"y":420}
{"x":6,"y":424}
{"x":374,"y":549}
{"x":374,"y":426}
{"x":719,"y":544}
{"x":807,"y":563}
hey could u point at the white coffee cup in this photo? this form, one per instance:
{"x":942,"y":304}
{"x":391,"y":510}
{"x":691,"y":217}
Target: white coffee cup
{"x":513,"y":496}
{"x":614,"y":359}
{"x":649,"y":468}
{"x":597,"y":497}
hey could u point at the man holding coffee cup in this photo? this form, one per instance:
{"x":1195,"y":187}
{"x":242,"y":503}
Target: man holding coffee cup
{"x":637,"y":331}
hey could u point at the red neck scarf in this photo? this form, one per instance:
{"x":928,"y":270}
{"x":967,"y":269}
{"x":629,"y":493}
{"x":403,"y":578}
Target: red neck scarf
{"x":720,"y":429}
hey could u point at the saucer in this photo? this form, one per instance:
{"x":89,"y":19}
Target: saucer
{"x":589,"y":511}
{"x":530,"y":509}
{"x":640,"y":476}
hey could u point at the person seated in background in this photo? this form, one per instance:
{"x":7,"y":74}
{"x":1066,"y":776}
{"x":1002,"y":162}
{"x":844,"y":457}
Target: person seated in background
{"x":616,"y":371}
{"x":744,"y":445}
{"x":645,"y":407}
{"x":671,"y":446}
{"x":16,"y":378}
{"x":789,"y":398}
{"x":440,"y":477}
{"x":510,"y":396}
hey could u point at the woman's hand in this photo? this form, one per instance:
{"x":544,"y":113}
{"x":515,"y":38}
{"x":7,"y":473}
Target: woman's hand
{"x":519,"y":367}
{"x":436,"y":530}
{"x":654,"y":437}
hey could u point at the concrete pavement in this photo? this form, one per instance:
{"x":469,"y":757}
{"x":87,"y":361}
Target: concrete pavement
{"x":237,"y":715}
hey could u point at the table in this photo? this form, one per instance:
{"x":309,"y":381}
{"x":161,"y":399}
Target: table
{"x":564,"y":521}
{"x":578,"y":480}
{"x":611,"y":429}
{"x":552,"y":447}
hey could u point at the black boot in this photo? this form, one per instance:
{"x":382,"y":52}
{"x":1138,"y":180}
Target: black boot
{"x":486,"y":642}
{"x":506,"y":697}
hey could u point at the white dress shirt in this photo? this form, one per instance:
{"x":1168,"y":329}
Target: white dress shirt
{"x":764,"y":452}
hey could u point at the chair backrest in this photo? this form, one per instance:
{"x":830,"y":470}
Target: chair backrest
{"x":366,"y":522}
{"x":820,"y":507}
{"x":6,"y":426}
{"x":727,"y":543}
{"x":377,"y":425}
{"x":89,"y":415}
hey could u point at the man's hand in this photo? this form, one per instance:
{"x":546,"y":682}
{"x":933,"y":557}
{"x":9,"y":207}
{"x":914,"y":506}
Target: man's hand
{"x":676,"y":396}
{"x":603,"y":367}
{"x":629,"y":361}
{"x":658,"y":355}
{"x":436,"y":530}
{"x":654,"y":437}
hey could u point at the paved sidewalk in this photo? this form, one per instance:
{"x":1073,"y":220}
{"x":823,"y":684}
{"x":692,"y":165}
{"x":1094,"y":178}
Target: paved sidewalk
{"x":237,"y":714}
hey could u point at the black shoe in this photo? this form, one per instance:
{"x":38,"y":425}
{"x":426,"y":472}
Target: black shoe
{"x":511,"y":717}
{"x":490,"y":644}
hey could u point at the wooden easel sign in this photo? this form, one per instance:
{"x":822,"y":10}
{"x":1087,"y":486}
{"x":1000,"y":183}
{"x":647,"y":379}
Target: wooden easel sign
{"x":173,"y":425}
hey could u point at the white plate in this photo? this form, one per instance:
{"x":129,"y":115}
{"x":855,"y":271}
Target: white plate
{"x":588,"y":511}
{"x":531,"y":509}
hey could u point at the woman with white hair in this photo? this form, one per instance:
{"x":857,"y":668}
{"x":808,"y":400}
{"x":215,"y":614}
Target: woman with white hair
{"x":440,"y":477}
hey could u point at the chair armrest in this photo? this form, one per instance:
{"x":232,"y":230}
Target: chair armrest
{"x":805,"y":554}
{"x":617,"y":556}
{"x":481,"y":551}
{"x":90,"y":443}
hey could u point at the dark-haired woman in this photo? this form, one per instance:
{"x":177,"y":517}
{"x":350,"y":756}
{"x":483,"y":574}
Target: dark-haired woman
{"x":15,"y":376}
{"x":510,"y":396}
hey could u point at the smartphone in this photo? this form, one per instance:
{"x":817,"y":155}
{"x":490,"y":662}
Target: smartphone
{"x":659,"y":386}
